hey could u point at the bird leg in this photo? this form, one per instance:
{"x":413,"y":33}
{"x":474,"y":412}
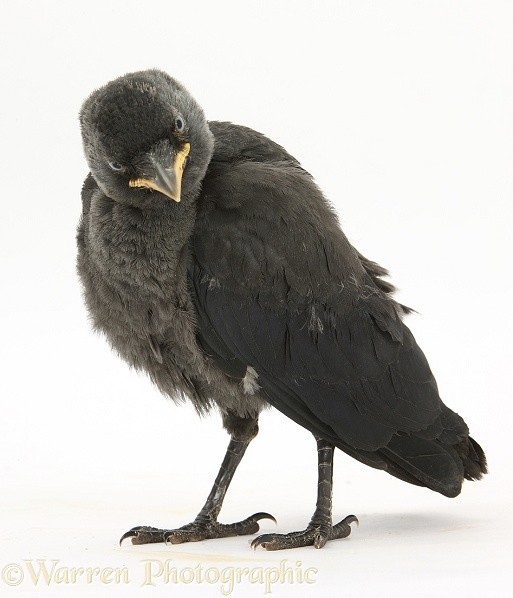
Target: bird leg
{"x":320,"y":529}
{"x":206,"y":526}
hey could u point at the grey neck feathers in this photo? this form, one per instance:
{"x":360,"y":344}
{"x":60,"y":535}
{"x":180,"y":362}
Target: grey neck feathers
{"x":146,"y":247}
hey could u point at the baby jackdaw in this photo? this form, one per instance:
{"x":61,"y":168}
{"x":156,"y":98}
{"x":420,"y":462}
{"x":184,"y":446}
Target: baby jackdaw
{"x":211,"y":260}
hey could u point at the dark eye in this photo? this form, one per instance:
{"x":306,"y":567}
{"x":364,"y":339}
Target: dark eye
{"x":116,"y":166}
{"x":179,"y":123}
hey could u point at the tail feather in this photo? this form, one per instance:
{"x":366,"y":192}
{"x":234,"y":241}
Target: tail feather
{"x":473,"y":458}
{"x":432,"y":463}
{"x":440,"y":457}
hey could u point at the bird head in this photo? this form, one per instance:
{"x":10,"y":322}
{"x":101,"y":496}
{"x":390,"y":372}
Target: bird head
{"x":145,"y":139}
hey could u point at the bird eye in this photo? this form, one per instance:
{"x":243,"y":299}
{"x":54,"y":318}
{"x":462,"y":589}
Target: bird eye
{"x":116,"y":166}
{"x":179,"y":123}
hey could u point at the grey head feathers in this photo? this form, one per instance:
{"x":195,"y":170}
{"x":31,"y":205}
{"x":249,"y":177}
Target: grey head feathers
{"x":151,"y":101}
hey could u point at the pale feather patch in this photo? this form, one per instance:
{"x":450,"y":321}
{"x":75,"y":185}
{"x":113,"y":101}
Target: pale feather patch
{"x":249,"y":382}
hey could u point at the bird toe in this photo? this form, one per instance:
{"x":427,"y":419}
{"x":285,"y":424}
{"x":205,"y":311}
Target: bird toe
{"x":143,"y":534}
{"x":316,"y":536}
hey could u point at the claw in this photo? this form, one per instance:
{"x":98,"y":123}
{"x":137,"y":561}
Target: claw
{"x":259,"y":516}
{"x":168,"y":538}
{"x":131,"y":533}
{"x":343,"y":528}
{"x":261,"y":541}
{"x":320,"y":541}
{"x":124,"y":537}
{"x":143,"y":534}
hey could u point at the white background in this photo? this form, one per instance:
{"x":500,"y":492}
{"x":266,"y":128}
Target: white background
{"x":402,"y":110}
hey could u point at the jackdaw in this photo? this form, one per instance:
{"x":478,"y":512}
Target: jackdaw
{"x":211,"y":261}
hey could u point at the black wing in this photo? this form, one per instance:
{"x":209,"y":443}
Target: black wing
{"x":278,"y":287}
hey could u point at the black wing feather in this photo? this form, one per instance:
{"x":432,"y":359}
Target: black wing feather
{"x":278,"y":287}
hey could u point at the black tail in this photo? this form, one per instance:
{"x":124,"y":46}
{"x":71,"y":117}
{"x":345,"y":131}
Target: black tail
{"x":437,"y":465}
{"x":474,"y":459}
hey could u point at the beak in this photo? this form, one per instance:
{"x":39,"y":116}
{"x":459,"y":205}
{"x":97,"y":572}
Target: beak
{"x":166,"y":180}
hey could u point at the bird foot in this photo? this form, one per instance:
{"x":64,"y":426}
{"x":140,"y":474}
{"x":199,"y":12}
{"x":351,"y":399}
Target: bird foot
{"x":200,"y":529}
{"x":313,"y":535}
